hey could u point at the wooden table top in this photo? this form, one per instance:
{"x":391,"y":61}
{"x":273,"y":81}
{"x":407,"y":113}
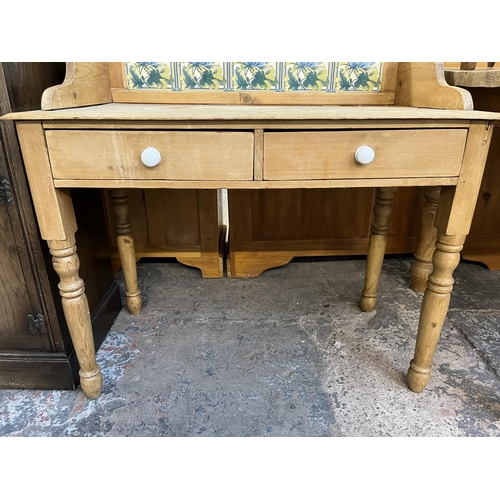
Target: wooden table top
{"x":180,"y":112}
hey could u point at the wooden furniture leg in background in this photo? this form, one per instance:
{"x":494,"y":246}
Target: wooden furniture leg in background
{"x":185,"y":224}
{"x":426,"y":240}
{"x":210,"y":262}
{"x":453,"y":221}
{"x":376,"y":246}
{"x":126,"y":250}
{"x":76,"y":311}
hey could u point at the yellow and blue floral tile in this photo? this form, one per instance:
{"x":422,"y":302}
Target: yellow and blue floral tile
{"x":263,"y":76}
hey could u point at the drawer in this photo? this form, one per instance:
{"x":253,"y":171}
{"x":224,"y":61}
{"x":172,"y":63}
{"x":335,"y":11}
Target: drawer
{"x":92,"y":154}
{"x":331,"y":154}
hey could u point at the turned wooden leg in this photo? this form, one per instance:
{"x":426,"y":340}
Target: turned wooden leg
{"x":426,"y":240}
{"x":453,"y":221}
{"x":434,"y":308}
{"x":126,"y":249}
{"x":77,"y":314}
{"x":376,"y":246}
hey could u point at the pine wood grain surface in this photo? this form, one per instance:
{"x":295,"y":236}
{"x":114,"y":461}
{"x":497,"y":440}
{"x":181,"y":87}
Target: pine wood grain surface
{"x":147,"y":112}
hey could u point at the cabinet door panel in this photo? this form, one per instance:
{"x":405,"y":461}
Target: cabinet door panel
{"x":15,"y":303}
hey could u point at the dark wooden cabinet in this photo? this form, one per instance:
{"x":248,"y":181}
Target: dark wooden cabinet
{"x":35,"y":347}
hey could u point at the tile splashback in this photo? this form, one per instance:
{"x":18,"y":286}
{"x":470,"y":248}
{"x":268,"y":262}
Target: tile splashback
{"x":256,"y":76}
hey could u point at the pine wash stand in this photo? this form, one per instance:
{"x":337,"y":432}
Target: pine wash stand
{"x":112,"y":128}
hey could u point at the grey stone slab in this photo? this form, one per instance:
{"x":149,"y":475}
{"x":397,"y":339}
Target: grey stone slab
{"x":279,"y":292}
{"x":482,"y":330}
{"x":28,"y":413}
{"x":475,"y":287}
{"x":285,"y":354}
{"x":367,"y":382}
{"x":224,"y":379}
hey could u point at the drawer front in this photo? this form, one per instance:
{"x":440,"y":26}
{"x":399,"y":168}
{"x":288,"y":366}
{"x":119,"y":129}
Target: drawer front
{"x":331,"y":155}
{"x":78,"y":154}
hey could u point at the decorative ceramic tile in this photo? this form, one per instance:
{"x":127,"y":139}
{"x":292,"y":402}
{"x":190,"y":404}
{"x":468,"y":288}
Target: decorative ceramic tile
{"x":254,"y":76}
{"x":358,"y":76}
{"x":260,"y":76}
{"x":309,"y":76}
{"x":149,"y":75}
{"x":201,"y":75}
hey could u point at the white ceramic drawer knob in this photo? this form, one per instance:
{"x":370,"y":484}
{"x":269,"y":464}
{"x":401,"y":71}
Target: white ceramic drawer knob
{"x":364,"y":155}
{"x":151,"y":157}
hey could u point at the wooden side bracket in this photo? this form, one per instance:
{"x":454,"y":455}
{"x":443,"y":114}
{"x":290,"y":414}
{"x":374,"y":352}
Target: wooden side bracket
{"x":85,"y":84}
{"x":424,"y":85}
